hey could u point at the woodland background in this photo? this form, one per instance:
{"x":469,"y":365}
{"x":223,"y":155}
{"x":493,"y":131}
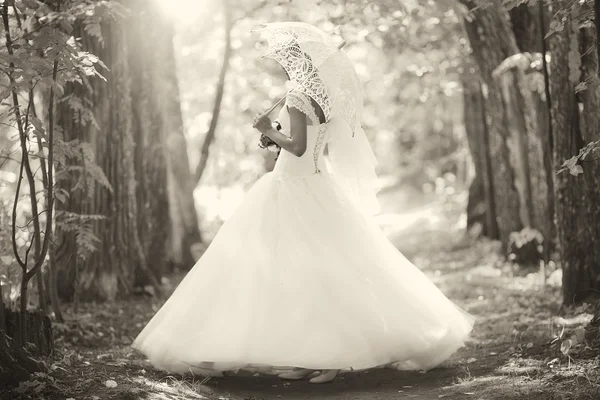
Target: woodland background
{"x":125,"y":142}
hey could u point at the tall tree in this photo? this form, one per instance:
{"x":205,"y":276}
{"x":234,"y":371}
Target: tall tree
{"x":185,"y":232}
{"x":528,"y":25}
{"x":480,"y":208}
{"x":590,"y":131}
{"x":129,"y":143}
{"x":161,"y":145}
{"x":492,"y":41}
{"x":212,"y":129}
{"x":145,"y":52}
{"x":574,"y":221}
{"x":111,"y":269}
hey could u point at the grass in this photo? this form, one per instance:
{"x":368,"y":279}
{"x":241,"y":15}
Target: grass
{"x":514,"y":353}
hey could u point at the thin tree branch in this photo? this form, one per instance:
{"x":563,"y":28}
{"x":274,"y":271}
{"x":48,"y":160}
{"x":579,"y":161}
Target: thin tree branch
{"x":8,"y":158}
{"x":210,"y":134}
{"x":49,"y":191}
{"x":17,"y":112}
{"x":28,"y":250}
{"x":32,"y":189}
{"x":14,"y":214}
{"x":41,"y":149}
{"x":17,"y":16}
{"x":8,"y":125}
{"x":542,"y":22}
{"x":30,"y":221}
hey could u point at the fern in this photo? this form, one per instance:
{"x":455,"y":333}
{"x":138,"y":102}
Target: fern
{"x":46,"y":54}
{"x":82,"y":225}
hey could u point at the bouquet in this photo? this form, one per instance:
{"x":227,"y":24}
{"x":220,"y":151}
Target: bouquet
{"x":265,"y":142}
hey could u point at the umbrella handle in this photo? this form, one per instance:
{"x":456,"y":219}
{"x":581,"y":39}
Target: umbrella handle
{"x":274,"y":106}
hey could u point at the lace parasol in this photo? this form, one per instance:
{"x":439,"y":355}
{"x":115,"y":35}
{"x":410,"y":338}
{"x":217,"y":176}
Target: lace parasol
{"x":317,"y":67}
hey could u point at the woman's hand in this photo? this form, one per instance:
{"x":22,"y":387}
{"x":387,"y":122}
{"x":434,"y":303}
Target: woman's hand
{"x":295,"y":143}
{"x":262,"y":123}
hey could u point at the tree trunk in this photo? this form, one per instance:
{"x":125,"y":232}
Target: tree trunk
{"x":569,"y":190}
{"x":528,"y":28}
{"x":16,"y":363}
{"x":151,"y":220}
{"x":593,"y":328}
{"x":516,"y":123}
{"x":52,"y":285}
{"x":597,"y":29}
{"x":110,"y":271}
{"x":2,"y":312}
{"x":590,"y":130}
{"x":185,"y":232}
{"x":39,"y":331}
{"x":492,"y":41}
{"x":146,"y":35}
{"x":480,"y":207}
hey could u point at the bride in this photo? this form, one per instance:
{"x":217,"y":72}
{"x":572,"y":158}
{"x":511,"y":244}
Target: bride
{"x":300,"y":281}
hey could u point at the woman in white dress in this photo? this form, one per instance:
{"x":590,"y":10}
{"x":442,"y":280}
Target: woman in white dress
{"x":300,"y":279}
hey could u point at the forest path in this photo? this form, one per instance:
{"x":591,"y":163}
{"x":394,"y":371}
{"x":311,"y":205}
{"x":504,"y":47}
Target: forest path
{"x":507,"y":357}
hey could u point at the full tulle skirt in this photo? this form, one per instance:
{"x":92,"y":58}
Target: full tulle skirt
{"x":299,"y":277}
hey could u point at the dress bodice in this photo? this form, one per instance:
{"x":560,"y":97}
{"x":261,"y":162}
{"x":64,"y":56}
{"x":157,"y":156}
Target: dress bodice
{"x":312,"y":161}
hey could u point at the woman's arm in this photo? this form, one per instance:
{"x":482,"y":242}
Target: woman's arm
{"x":296,"y":143}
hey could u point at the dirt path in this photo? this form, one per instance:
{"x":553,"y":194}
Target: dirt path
{"x":508,"y":356}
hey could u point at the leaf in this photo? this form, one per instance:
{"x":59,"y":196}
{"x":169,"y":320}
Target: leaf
{"x":572,"y":163}
{"x":574,"y":341}
{"x":94,"y":30}
{"x":61,"y":195}
{"x":582,"y":86}
{"x":7,"y":260}
{"x":555,"y":26}
{"x":576,"y":170}
{"x":110,"y":384}
{"x":580,"y":334}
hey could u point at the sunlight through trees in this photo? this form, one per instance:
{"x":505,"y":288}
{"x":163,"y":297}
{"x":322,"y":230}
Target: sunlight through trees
{"x":126,"y":141}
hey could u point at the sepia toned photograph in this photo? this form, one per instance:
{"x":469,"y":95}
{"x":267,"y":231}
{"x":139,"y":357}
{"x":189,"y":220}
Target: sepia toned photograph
{"x":299,"y":200}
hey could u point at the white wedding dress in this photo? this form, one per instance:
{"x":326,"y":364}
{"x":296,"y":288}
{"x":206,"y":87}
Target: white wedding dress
{"x":299,"y":276}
